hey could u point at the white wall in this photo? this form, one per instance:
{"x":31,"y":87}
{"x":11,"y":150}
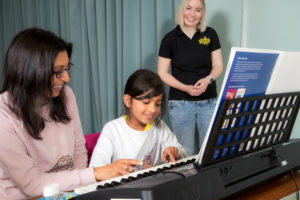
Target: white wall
{"x":274,"y":24}
{"x":268,"y":24}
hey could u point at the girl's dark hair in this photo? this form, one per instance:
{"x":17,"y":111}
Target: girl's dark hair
{"x":142,"y":81}
{"x":28,"y":72}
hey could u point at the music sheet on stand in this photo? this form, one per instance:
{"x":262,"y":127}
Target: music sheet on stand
{"x":256,"y":72}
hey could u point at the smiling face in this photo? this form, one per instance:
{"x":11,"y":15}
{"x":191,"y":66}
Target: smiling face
{"x":142,"y":111}
{"x":61,"y":63}
{"x":193,"y":13}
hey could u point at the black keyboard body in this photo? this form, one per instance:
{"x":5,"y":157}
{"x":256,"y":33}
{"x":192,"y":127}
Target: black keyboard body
{"x":222,"y":180}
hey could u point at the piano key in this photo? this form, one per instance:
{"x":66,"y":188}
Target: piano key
{"x":123,"y":180}
{"x":107,"y":185}
{"x":136,"y":174}
{"x":131,"y":178}
{"x":100,"y":187}
{"x":161,"y":169}
{"x":140,"y":176}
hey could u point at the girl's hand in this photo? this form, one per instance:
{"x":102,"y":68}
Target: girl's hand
{"x":117,"y":168}
{"x":170,"y":154}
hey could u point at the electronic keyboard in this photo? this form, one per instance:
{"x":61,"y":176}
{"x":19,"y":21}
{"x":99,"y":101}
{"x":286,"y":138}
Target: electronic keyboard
{"x":134,"y":175}
{"x":185,"y":180}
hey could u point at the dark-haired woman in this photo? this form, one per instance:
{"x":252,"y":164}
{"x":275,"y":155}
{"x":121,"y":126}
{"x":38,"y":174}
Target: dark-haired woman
{"x":40,"y":130}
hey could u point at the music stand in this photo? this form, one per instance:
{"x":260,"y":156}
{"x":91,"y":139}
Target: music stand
{"x":249,"y":124}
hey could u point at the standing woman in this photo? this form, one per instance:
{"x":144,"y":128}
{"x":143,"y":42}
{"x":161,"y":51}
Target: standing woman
{"x":194,"y":53}
{"x":40,"y":130}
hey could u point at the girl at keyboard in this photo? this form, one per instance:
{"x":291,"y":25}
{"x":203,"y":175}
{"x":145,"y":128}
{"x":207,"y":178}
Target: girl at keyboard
{"x":140,"y":133}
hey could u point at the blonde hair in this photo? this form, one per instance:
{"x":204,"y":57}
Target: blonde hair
{"x":180,"y":12}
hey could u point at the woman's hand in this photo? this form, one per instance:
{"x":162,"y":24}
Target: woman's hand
{"x":117,"y":168}
{"x":202,"y":84}
{"x":193,"y":90}
{"x":170,"y":154}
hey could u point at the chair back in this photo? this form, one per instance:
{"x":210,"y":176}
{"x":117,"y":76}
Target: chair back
{"x":90,"y":143}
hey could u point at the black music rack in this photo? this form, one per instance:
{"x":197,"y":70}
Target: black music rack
{"x":245,"y":125}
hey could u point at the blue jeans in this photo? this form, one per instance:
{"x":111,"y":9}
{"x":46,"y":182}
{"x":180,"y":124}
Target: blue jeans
{"x":185,"y":114}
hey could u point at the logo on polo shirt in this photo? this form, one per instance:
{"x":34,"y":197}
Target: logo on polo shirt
{"x":205,"y":41}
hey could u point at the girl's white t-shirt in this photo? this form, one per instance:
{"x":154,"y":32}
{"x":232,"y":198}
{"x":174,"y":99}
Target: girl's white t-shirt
{"x":120,"y":141}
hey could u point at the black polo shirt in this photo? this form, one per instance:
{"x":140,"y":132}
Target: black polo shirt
{"x":190,"y":60}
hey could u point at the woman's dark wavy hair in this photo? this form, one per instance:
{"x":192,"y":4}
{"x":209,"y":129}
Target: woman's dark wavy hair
{"x":143,"y":81}
{"x":28,"y":66}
